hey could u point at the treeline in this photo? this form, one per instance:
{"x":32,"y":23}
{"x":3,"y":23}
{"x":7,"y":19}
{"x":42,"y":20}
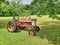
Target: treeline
{"x":37,"y":7}
{"x":10,"y":9}
{"x":46,"y":7}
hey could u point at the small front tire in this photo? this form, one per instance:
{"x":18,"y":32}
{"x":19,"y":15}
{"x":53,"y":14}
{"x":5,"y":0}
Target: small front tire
{"x":37,"y":28}
{"x":32,"y":32}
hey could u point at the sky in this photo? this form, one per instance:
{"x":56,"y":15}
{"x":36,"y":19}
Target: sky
{"x":23,"y":1}
{"x":26,"y":1}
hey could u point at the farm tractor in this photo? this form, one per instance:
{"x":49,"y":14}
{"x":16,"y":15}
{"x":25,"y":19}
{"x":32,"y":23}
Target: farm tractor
{"x":23,"y":23}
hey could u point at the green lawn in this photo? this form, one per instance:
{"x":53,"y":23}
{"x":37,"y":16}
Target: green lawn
{"x":48,"y":35}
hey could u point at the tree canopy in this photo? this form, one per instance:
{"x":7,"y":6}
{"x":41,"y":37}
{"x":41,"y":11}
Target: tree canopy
{"x":46,"y":7}
{"x":37,"y":7}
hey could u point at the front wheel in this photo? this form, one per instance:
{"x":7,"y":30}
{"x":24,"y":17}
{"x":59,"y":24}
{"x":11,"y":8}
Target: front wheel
{"x":11,"y":26}
{"x":37,"y":28}
{"x":32,"y":32}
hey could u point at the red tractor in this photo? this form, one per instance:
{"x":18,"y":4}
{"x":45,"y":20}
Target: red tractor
{"x":22,"y":23}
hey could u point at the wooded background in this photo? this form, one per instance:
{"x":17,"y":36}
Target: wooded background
{"x":37,"y":7}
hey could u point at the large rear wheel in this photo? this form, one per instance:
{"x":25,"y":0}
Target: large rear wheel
{"x":11,"y":26}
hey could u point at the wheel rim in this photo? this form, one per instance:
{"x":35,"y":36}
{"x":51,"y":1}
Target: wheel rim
{"x":10,"y":27}
{"x":31,"y":33}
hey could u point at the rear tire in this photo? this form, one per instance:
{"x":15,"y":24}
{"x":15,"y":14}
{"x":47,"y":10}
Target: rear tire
{"x":11,"y":26}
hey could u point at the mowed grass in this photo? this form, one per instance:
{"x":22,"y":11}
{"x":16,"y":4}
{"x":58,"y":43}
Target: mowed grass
{"x":48,"y":35}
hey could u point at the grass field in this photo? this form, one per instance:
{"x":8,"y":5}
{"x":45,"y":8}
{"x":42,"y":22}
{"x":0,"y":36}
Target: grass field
{"x":48,"y":35}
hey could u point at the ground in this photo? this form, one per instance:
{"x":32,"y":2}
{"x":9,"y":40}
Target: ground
{"x":48,"y":35}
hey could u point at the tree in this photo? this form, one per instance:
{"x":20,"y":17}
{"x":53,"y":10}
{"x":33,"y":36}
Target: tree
{"x":45,"y":7}
{"x":11,"y":9}
{"x":37,"y":7}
